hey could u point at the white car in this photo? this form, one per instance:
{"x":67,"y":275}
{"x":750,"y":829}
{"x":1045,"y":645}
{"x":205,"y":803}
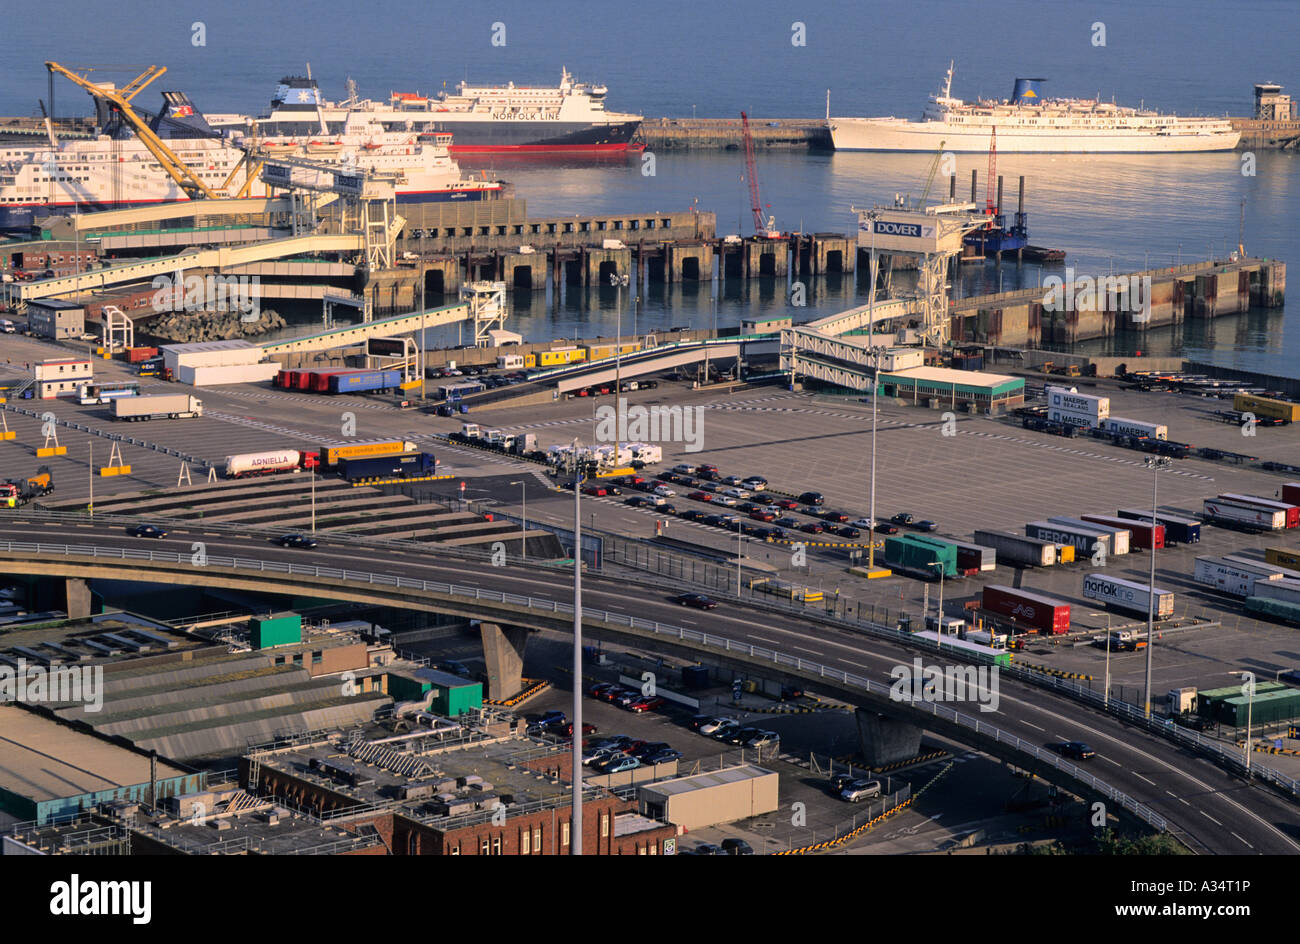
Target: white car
{"x":863,"y":523}
{"x":859,"y":790}
{"x":663,"y":491}
{"x":757,"y":483}
{"x":684,"y":469}
{"x":736,"y":493}
{"x":726,"y":501}
{"x":710,"y":727}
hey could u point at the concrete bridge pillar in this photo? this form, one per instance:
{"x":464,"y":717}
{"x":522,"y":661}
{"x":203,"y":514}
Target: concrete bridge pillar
{"x":884,"y":740}
{"x":503,"y":651}
{"x":77,"y":598}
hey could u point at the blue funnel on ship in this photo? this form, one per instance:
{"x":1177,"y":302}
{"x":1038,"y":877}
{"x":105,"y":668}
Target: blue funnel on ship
{"x":1026,"y":92}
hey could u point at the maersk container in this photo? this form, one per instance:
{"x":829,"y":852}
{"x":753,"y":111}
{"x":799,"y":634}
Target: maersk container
{"x":1144,"y":533}
{"x":1288,"y":591}
{"x":1128,"y":595}
{"x":1177,"y":530}
{"x":1066,"y":418}
{"x":1127,"y":427}
{"x":1070,"y":400}
{"x":1292,"y":512}
{"x":388,"y":467}
{"x":1013,"y":549}
{"x":1223,"y":511}
{"x":1229,"y":576}
{"x":1043,"y":613}
{"x":365,"y":381}
{"x":1083,"y":540}
{"x":1120,"y":536}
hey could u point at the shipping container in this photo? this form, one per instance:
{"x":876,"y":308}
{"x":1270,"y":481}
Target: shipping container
{"x":166,"y":406}
{"x":406,"y":465}
{"x":1085,"y":541}
{"x":1283,"y":410}
{"x":1247,"y":516}
{"x":1121,"y":537}
{"x":1178,"y":530}
{"x":208,"y":376}
{"x":1282,"y":557}
{"x":366,"y":450}
{"x":1288,"y":591}
{"x":1291,"y":493}
{"x":135,"y":355}
{"x":1230,"y":576}
{"x":1069,"y":400}
{"x":1045,"y":614}
{"x":1144,"y":534}
{"x":318,"y":381}
{"x":1081,"y":420}
{"x":1127,"y":427}
{"x":1277,"y":610}
{"x":976,"y":556}
{"x":366,"y":381}
{"x":596,"y":352}
{"x":1292,"y":512}
{"x":1285,"y":573}
{"x":1014,"y":549}
{"x":906,"y":552}
{"x":1128,"y":595}
{"x":560,"y":356}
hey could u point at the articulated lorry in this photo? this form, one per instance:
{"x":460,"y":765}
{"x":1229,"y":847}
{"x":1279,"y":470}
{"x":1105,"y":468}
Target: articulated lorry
{"x":168,"y":406}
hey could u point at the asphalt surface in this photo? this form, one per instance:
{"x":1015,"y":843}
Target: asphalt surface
{"x":1209,"y":809}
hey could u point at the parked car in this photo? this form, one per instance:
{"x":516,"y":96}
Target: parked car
{"x":662,"y":757}
{"x":713,"y":724}
{"x":647,"y":703}
{"x":902,"y":518}
{"x":841,"y":780}
{"x":762,"y":516}
{"x":788,"y":504}
{"x":693,"y":514}
{"x":684,"y":469}
{"x":701,"y":496}
{"x":884,"y":527}
{"x":618,"y":764}
{"x":738,"y":736}
{"x":663,"y":491}
{"x":723,"y":732}
{"x":737,"y":847}
{"x":925,"y":525}
{"x":838,"y":517}
{"x":764,"y":739}
{"x":736,"y":493}
{"x":755,"y":482}
{"x":651,"y":749}
{"x":812,"y":498}
{"x":813,"y":527}
{"x":848,"y":531}
{"x":726,"y":501}
{"x":597,"y":490}
{"x":696,"y":601}
{"x":597,"y":689}
{"x":859,"y":790}
{"x":301,"y":541}
{"x":552,"y":717}
{"x":788,"y":522}
{"x":566,"y":729}
{"x":708,"y":848}
{"x":753,"y":530}
{"x":699,"y":721}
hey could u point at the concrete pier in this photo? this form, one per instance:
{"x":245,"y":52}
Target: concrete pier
{"x":503,"y":652}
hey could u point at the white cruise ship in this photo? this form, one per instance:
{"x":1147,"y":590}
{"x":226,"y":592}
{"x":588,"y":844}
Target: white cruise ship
{"x":568,"y":119}
{"x":115,"y":170}
{"x":1029,"y":123}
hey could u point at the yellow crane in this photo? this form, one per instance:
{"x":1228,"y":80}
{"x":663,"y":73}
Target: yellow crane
{"x":934,"y":166}
{"x":120,"y":100}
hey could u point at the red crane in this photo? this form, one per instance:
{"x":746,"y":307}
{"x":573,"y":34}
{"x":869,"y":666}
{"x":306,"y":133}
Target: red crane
{"x":989,"y":209}
{"x":751,"y":171}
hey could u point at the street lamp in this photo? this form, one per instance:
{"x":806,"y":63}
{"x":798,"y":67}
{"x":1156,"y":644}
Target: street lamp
{"x":618,"y":281}
{"x":739,"y":554}
{"x":523,"y":500}
{"x":575,"y":827}
{"x":875,"y":390}
{"x":1248,"y":689}
{"x":1156,"y":464}
{"x":938,"y":623}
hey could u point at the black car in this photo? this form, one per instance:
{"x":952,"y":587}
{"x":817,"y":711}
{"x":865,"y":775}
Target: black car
{"x":1076,"y":749}
{"x":773,"y":534}
{"x":925,"y":525}
{"x":848,"y":531}
{"x":884,"y":527}
{"x":146,"y":531}
{"x":753,"y":530}
{"x":698,"y":721}
{"x":302,"y":541}
{"x":636,"y":501}
{"x":812,"y":498}
{"x":902,"y":518}
{"x":788,"y":522}
{"x":693,"y":514}
{"x":737,"y":847}
{"x":697,"y":601}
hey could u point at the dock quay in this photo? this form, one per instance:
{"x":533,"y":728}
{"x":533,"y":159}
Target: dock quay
{"x":680,"y":134}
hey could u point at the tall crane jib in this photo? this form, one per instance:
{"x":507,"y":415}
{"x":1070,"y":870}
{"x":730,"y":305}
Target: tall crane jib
{"x":762,"y":226}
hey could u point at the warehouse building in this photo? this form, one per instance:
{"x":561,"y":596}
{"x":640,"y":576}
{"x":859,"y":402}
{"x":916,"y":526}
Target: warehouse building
{"x":445,"y":694}
{"x":1273,"y":703}
{"x":950,"y":389}
{"x":710,"y":799}
{"x":205,"y":363}
{"x":62,"y":378}
{"x":57,"y":319}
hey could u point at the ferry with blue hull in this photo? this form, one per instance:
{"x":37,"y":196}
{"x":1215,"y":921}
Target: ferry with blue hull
{"x":1029,"y":123}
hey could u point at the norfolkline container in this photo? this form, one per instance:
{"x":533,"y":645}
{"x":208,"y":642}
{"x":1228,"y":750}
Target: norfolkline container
{"x":1128,"y":595}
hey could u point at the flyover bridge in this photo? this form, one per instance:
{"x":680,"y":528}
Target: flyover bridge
{"x":851,"y":660}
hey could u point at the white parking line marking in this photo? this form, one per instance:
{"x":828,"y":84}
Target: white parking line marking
{"x":1140,"y":777}
{"x":1211,"y":818}
{"x":1247,"y":844}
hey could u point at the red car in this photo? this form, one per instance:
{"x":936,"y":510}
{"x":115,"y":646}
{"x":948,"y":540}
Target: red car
{"x":813,"y":527}
{"x":701,"y":496}
{"x":838,"y":517}
{"x":762,"y":516}
{"x":566,"y":730}
{"x":647,"y":703}
{"x":594,"y":490}
{"x":787,"y":503}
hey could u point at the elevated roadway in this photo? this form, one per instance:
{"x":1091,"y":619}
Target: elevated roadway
{"x":1138,"y":772}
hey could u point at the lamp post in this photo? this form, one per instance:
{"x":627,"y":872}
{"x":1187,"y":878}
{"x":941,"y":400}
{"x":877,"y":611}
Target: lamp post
{"x":91,"y":469}
{"x":313,"y":498}
{"x":523,"y":501}
{"x":575,"y":828}
{"x":618,"y":281}
{"x":1105,"y":695}
{"x":1247,"y":689}
{"x":739,"y":554}
{"x":875,"y":390}
{"x":938,"y":623}
{"x":1156,"y":464}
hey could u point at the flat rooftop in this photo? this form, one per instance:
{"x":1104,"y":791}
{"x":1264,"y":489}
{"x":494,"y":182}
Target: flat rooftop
{"x":711,"y":779}
{"x":43,"y":760}
{"x":947,"y":375}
